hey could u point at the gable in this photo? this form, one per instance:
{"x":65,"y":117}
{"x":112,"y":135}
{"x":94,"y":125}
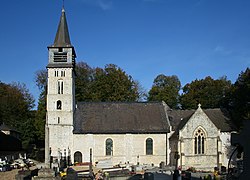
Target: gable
{"x":219,"y":117}
{"x":198,"y":120}
{"x":103,"y":117}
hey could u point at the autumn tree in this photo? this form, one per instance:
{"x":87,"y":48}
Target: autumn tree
{"x":166,"y":88}
{"x":208,"y":92}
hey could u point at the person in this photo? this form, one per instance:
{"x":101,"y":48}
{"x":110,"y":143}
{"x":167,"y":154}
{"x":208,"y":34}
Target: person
{"x":98,"y":175}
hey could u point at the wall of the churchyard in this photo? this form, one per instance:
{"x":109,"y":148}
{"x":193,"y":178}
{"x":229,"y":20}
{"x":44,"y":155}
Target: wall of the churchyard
{"x":208,"y":160}
{"x":126,"y":148}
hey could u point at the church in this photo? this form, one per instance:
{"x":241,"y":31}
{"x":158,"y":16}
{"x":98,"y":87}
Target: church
{"x":125,"y":132}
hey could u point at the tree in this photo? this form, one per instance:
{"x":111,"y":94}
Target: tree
{"x":166,"y":88}
{"x":16,"y":104}
{"x":83,"y":80}
{"x":237,"y":101}
{"x":113,"y":84}
{"x":208,"y":92}
{"x":40,"y":116}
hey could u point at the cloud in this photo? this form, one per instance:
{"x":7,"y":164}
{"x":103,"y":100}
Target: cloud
{"x":222,"y":50}
{"x":103,"y":4}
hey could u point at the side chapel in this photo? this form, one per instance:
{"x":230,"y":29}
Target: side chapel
{"x":125,"y":132}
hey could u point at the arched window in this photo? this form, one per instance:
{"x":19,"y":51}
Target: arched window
{"x":149,"y":146}
{"x":60,"y":87}
{"x":199,"y":141}
{"x":78,"y":157}
{"x":59,"y":105}
{"x":109,"y":147}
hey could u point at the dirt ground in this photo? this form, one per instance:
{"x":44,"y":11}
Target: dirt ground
{"x":10,"y":175}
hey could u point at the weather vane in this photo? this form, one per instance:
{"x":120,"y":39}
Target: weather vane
{"x":63,"y":4}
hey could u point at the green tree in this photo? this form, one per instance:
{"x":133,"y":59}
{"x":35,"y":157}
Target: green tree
{"x":113,"y":84}
{"x":40,"y":116}
{"x":208,"y":92}
{"x":83,"y":80}
{"x":166,"y":88}
{"x":237,"y":100}
{"x":16,"y":104}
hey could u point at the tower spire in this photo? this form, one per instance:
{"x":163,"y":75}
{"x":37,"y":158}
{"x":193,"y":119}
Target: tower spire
{"x":62,"y":38}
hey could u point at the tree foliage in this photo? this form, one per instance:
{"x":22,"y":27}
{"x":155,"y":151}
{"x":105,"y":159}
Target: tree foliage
{"x":108,"y":84}
{"x":16,"y":104}
{"x":237,"y":101}
{"x":84,"y":77}
{"x":208,"y":92}
{"x":40,"y":116}
{"x":166,"y":88}
{"x":113,"y":84}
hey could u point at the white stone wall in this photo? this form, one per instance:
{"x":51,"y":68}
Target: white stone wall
{"x":60,"y":121}
{"x":208,"y":160}
{"x":60,"y":138}
{"x":126,"y":148}
{"x":226,"y":148}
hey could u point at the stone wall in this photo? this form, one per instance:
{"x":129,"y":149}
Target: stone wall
{"x":127,"y":148}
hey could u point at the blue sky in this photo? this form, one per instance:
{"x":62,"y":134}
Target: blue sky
{"x":188,"y":38}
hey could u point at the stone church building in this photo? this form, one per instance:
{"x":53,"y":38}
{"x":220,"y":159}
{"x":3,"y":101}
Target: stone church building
{"x":125,"y":132}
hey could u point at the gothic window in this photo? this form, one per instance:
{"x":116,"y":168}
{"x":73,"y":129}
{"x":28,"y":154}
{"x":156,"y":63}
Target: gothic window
{"x":58,"y":120}
{"x":109,"y":147}
{"x":199,"y":141}
{"x":60,"y":87}
{"x":59,"y":105}
{"x":149,"y":146}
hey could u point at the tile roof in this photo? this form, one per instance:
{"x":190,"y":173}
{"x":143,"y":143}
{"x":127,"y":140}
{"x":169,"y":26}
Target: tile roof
{"x":110,"y":117}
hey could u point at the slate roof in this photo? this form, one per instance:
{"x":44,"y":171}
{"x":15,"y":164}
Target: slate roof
{"x":177,"y":116}
{"x":62,"y":38}
{"x":118,"y":117}
{"x":218,"y":116}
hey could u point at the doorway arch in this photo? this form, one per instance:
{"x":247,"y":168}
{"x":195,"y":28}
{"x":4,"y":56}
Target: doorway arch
{"x":78,"y":157}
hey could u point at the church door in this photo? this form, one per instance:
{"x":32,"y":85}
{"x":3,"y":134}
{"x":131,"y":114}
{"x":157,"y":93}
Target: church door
{"x":78,"y":157}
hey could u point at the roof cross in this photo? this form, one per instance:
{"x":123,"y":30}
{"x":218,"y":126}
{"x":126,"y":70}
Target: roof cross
{"x":199,"y":105}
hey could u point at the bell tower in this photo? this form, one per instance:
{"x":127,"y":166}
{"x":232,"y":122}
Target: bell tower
{"x":60,"y":97}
